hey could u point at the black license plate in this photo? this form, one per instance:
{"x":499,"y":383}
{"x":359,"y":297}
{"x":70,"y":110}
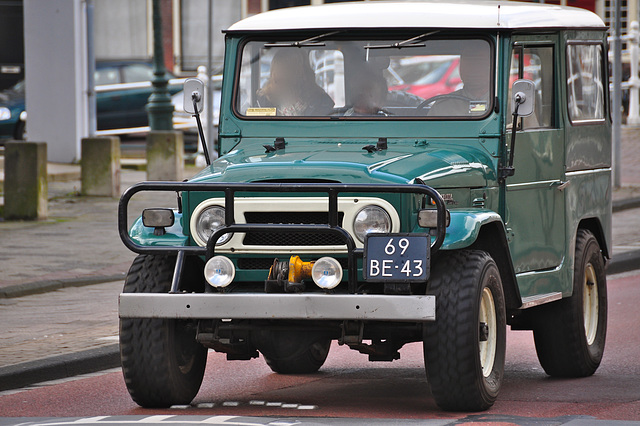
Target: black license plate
{"x":396,"y":258}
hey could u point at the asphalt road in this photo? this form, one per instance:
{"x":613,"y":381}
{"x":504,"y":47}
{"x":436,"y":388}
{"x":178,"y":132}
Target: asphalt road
{"x":348,"y":386}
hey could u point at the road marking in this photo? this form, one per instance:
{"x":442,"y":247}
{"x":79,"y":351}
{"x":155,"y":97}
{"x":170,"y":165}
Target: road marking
{"x":154,"y":419}
{"x":205,"y":405}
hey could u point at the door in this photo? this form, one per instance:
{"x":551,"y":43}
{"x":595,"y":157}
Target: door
{"x":535,"y":208}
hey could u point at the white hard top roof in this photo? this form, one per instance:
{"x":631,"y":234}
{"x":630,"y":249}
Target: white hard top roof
{"x":433,"y":14}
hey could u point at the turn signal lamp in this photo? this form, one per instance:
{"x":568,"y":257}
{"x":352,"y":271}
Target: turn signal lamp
{"x":219,"y":271}
{"x":159,"y":219}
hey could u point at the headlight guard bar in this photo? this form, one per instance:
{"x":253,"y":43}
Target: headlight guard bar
{"x":230,"y":189}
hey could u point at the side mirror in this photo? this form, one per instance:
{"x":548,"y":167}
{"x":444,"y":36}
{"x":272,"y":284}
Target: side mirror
{"x":523,"y":92}
{"x":193,"y":88}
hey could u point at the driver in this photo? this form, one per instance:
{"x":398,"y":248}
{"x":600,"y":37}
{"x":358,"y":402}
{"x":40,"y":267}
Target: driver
{"x":474,"y":97}
{"x":369,"y":95}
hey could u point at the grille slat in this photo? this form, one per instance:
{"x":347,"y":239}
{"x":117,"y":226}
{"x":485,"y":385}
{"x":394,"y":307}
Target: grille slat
{"x":291,"y":239}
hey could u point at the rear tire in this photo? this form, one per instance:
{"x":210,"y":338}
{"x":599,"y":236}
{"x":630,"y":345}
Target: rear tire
{"x":464,"y":349}
{"x":292,"y":352}
{"x":570,"y":334}
{"x":162,"y":362}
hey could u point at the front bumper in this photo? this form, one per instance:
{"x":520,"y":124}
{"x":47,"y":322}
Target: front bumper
{"x":279,"y":306}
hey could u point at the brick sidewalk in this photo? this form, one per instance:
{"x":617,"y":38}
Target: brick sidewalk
{"x":58,"y":322}
{"x":79,"y":239}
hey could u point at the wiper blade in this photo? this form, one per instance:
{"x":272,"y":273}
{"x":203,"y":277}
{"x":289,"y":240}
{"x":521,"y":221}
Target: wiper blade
{"x":312,"y":41}
{"x":411,"y":42}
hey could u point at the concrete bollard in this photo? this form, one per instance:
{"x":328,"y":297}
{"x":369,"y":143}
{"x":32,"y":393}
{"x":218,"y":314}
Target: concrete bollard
{"x":25,"y":180}
{"x":101,"y":166}
{"x":165,"y":155}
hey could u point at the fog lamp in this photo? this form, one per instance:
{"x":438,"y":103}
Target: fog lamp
{"x":219,"y":271}
{"x":326,"y":273}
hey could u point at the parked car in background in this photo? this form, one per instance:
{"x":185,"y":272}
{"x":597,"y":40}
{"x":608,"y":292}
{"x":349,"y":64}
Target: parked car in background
{"x":122,"y":91}
{"x":425,"y":76}
{"x":11,"y":108}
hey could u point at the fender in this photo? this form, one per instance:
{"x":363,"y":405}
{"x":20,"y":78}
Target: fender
{"x":144,"y":236}
{"x":465,"y":227}
{"x":481,"y":229}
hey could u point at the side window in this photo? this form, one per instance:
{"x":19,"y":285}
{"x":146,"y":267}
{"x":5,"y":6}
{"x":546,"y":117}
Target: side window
{"x":137,"y":72}
{"x":585,"y":86}
{"x":535,"y":64}
{"x":104,"y":76}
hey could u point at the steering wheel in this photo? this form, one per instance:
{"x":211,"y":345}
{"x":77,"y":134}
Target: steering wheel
{"x":439,"y":97}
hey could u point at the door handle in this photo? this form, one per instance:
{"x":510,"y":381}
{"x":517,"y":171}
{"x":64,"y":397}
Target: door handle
{"x":560,"y":185}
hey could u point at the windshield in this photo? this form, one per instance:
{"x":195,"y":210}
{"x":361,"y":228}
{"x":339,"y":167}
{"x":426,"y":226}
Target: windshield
{"x":351,"y":79}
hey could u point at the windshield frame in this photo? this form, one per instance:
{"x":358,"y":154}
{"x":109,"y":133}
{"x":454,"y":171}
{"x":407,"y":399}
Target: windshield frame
{"x":387,"y":36}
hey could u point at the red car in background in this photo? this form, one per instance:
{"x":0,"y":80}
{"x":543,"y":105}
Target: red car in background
{"x":425,"y":76}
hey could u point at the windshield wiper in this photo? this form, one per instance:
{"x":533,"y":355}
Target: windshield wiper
{"x":410,"y":42}
{"x":306,"y":42}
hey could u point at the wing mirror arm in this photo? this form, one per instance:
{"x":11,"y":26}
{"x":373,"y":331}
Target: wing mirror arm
{"x":193,"y":103}
{"x":523,"y":103}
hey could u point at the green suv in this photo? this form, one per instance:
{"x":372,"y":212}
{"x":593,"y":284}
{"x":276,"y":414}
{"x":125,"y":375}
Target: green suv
{"x":345,"y":209}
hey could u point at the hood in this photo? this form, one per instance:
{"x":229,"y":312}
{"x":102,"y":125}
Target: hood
{"x":442,"y":164}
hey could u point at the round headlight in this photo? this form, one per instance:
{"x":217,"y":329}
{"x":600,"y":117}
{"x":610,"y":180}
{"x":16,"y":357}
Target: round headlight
{"x":371,"y":219}
{"x":209,"y":221}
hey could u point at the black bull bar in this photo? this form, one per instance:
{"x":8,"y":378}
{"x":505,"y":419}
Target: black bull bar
{"x":230,"y":189}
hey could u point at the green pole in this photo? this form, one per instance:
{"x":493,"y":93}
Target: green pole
{"x":159,"y":107}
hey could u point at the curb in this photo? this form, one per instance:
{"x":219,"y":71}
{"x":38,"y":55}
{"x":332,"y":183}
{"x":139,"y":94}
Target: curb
{"x":38,"y":287}
{"x":625,"y":204}
{"x":624,"y":262}
{"x":59,"y":367}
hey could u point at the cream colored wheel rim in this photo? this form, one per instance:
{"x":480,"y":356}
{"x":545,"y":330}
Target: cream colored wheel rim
{"x":590,"y":308}
{"x":488,"y":316}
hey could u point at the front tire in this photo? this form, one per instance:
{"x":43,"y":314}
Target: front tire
{"x":464,"y":349}
{"x":570,"y":334}
{"x":162,"y":362}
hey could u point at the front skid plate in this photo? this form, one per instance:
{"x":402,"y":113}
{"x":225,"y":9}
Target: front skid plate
{"x":279,"y":306}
